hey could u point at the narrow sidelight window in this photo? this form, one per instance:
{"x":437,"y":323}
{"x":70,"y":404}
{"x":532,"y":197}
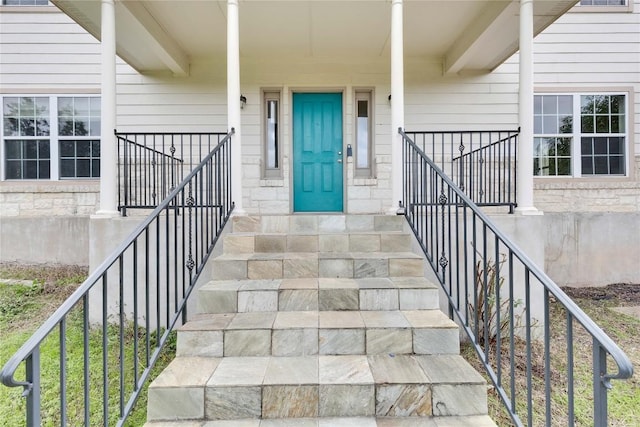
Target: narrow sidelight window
{"x":363,"y":134}
{"x":272,"y":148}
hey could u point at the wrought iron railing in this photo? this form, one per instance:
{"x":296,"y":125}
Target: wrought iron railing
{"x":482,"y":163}
{"x":503,"y":301}
{"x":152,"y":164}
{"x":127,"y":308}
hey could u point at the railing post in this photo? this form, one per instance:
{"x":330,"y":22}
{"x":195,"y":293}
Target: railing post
{"x":33,"y":393}
{"x":599,"y":387}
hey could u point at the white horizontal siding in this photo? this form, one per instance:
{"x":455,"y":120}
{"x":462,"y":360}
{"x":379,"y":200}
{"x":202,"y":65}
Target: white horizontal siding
{"x":46,"y":51}
{"x":597,"y":51}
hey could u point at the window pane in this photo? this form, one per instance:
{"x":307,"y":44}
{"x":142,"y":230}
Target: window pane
{"x":83,"y":148}
{"x":564,"y":147}
{"x":67,"y":149}
{"x":600,"y":146}
{"x":83,"y":168}
{"x":95,"y":168}
{"x":27,"y":127}
{"x":616,"y":165}
{"x":564,"y":166}
{"x":43,"y":169}
{"x":587,"y":124}
{"x":11,"y":126}
{"x":31,"y":150}
{"x":566,"y":124}
{"x":30,"y":169}
{"x":601,"y":165}
{"x":363,"y":143}
{"x":537,"y":124}
{"x":601,"y":104}
{"x":94,"y":127}
{"x":587,"y":165}
{"x":65,"y":126}
{"x":12,"y":150}
{"x":537,"y":104}
{"x":43,"y":149}
{"x":549,"y":124}
{"x":81,"y":107}
{"x":550,"y":104}
{"x":618,"y":124}
{"x":13,"y":169}
{"x":565,"y":104}
{"x":67,"y":168}
{"x":81,"y":127}
{"x":616,"y":145}
{"x":95,"y":148}
{"x":272,"y":134}
{"x":602,"y":124}
{"x":587,"y":105}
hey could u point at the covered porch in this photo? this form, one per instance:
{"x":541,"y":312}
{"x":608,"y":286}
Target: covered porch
{"x":423,"y":66}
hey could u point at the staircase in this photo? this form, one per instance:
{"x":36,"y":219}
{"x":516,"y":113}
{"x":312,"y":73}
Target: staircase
{"x":319,"y":320}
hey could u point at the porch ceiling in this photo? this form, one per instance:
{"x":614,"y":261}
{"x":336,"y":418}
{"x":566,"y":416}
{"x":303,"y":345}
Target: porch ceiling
{"x":465,"y":35}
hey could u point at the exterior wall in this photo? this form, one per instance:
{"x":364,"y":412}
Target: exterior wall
{"x":45,"y":240}
{"x":43,"y":52}
{"x":594,"y":51}
{"x":599,"y":52}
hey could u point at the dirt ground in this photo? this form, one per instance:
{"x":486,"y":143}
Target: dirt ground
{"x":623,"y":294}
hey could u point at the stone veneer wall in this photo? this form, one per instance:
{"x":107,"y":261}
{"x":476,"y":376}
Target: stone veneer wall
{"x":34,"y":199}
{"x":602,"y":195}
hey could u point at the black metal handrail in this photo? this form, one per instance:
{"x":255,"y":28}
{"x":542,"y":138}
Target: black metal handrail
{"x":482,"y":163}
{"x":502,"y":299}
{"x":141,"y":290}
{"x":152,"y":164}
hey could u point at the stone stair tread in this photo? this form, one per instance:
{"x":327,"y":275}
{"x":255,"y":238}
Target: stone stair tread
{"x":320,"y":319}
{"x":316,"y":369}
{"x":327,"y":317}
{"x":321,"y":283}
{"x":468,"y":421}
{"x":257,"y":256}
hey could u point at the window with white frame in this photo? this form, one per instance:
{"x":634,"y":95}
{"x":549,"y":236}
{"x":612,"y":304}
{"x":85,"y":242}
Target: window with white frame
{"x":25,"y":2}
{"x":603,"y":2}
{"x":49,"y":137}
{"x":363,"y":134}
{"x":580,"y":135}
{"x":272,"y":167}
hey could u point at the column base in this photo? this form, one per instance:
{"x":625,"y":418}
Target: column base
{"x":528,"y":211}
{"x":106,"y":214}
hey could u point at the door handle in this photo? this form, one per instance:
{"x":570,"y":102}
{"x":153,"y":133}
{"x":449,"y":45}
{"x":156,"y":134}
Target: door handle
{"x":339,"y":160}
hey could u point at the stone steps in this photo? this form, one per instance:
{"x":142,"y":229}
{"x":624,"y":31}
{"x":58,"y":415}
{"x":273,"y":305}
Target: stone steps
{"x":317,"y":224}
{"x":295,"y":265}
{"x":235,"y":388}
{"x":468,"y":421}
{"x":292,"y":333}
{"x":324,"y":294}
{"x":371,"y":241}
{"x":318,"y":320}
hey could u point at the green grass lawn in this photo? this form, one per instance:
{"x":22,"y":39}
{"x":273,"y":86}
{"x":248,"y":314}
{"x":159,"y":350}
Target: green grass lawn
{"x":623,"y":399}
{"x":24,"y":306}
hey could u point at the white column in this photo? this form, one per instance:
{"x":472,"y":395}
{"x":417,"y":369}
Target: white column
{"x":397,"y":102}
{"x":108,"y":145}
{"x":525,"y":111}
{"x":233,"y":101}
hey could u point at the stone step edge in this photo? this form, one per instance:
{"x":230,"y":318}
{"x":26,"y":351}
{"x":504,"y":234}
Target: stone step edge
{"x":433,"y":421}
{"x":278,"y":320}
{"x":317,"y":223}
{"x":439,"y":382}
{"x":276,"y":256}
{"x":320,"y":283}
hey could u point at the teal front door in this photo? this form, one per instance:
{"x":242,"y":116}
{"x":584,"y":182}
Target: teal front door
{"x":317,"y":152}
